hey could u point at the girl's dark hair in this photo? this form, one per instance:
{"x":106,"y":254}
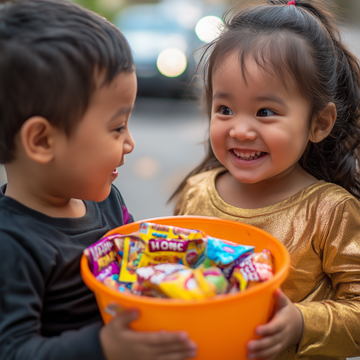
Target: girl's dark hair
{"x":303,"y":42}
{"x":51,"y":53}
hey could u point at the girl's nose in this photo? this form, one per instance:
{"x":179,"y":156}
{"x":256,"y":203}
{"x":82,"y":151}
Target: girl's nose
{"x":129,"y":144}
{"x":243,"y":129}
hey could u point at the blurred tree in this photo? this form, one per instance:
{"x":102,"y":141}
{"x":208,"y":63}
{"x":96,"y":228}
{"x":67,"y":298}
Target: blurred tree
{"x":349,"y":9}
{"x":108,"y":8}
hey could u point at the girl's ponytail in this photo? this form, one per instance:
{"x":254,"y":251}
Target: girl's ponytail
{"x":335,"y":159}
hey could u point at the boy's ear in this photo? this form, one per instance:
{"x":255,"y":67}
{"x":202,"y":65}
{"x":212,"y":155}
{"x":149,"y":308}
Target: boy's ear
{"x":322,"y":123}
{"x":36,"y":136}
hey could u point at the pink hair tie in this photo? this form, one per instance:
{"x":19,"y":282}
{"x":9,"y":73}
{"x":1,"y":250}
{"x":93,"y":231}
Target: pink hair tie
{"x":291,"y":3}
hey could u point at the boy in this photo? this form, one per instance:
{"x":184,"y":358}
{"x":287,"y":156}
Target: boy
{"x":66,"y":93}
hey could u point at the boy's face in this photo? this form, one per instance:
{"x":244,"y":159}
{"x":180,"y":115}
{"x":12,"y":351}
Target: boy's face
{"x":87,"y":160}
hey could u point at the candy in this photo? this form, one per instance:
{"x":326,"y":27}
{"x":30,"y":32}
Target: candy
{"x":169,"y":244}
{"x":112,"y":269}
{"x":225,"y":254}
{"x":100,"y":255}
{"x":133,"y":252}
{"x":255,"y":268}
{"x":116,"y":285}
{"x":175,"y":281}
{"x":215,"y":276}
{"x":119,"y":242}
{"x":149,"y":231}
{"x":171,"y":262}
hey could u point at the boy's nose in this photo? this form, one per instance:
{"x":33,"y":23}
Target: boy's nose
{"x":129,"y":144}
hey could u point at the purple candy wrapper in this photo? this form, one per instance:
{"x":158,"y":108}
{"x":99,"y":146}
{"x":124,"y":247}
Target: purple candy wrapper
{"x":101,"y":254}
{"x":112,"y":269}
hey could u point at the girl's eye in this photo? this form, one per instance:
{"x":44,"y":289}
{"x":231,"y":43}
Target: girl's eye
{"x":224,"y":110}
{"x":265,"y":112}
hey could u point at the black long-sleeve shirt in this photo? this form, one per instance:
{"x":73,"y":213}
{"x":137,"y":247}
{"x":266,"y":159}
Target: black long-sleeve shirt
{"x":46,"y":311}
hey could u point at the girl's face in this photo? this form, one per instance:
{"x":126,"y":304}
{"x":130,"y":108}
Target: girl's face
{"x":259,"y":129}
{"x":87,"y":160}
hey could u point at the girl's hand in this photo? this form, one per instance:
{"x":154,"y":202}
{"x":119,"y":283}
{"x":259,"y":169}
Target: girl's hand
{"x":284,"y":329}
{"x":119,"y":342}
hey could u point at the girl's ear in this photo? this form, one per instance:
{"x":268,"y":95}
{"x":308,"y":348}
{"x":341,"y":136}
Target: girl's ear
{"x":37,"y":138}
{"x":322,"y":123}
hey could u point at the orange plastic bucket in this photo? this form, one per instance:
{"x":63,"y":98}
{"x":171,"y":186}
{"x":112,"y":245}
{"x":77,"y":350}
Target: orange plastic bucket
{"x":221,"y":326}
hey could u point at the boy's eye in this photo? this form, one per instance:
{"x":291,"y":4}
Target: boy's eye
{"x":265,"y":112}
{"x":224,"y":110}
{"x":120,"y":129}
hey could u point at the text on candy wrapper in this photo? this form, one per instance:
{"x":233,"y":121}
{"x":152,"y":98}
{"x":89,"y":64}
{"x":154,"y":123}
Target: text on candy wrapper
{"x":167,"y":245}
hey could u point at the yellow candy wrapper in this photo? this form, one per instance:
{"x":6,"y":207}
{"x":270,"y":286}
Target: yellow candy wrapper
{"x":149,"y":231}
{"x":175,"y":281}
{"x":169,"y":244}
{"x":132,"y":254}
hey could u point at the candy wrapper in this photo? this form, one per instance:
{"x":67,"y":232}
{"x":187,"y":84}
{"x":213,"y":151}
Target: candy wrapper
{"x":224,"y":254}
{"x":256,"y":268}
{"x":179,"y":281}
{"x":169,"y":244}
{"x":133,"y":251}
{"x":100,"y":255}
{"x":112,"y":283}
{"x":216,"y":277}
{"x":112,"y":269}
{"x":149,"y":231}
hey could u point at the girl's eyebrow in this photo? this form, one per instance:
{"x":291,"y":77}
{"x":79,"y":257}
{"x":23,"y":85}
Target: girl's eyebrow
{"x":121,"y":111}
{"x":221,"y":95}
{"x":272,"y":98}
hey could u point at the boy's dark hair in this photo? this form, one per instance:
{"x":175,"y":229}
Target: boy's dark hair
{"x":303,"y":42}
{"x":51,"y":51}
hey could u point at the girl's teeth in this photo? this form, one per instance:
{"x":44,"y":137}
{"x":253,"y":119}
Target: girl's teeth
{"x":248,"y":156}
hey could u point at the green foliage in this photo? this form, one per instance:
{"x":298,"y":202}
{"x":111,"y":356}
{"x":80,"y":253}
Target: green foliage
{"x":105,"y":8}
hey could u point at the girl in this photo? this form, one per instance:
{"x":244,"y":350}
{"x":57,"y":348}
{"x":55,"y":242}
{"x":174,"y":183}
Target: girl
{"x":282,"y":93}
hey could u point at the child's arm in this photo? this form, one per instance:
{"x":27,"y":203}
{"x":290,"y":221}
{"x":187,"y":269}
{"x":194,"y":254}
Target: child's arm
{"x":331,"y":327}
{"x":22,"y":289}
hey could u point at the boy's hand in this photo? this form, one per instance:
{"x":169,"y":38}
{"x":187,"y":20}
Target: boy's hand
{"x":119,"y":342}
{"x":284,"y":329}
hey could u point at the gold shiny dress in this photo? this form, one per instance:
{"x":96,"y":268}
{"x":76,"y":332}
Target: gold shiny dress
{"x":320,"y":227}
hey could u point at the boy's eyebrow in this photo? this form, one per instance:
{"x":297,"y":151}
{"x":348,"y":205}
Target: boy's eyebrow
{"x":123,"y":110}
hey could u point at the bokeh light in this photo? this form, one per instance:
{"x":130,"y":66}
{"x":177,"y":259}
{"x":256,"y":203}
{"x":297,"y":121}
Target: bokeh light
{"x":209,"y":28}
{"x":171,"y":62}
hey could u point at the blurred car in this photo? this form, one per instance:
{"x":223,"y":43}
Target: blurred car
{"x":163,"y":41}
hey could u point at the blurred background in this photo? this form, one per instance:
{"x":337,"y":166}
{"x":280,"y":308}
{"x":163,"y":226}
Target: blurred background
{"x":167,"y":124}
